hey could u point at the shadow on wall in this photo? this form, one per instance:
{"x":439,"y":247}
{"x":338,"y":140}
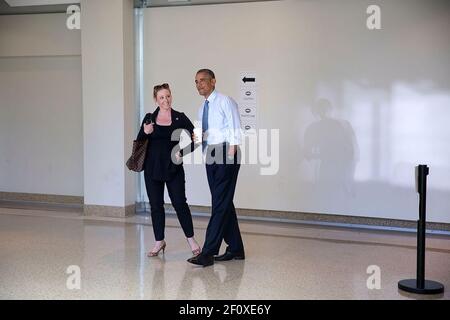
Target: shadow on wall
{"x":365,"y":165}
{"x":330,"y":144}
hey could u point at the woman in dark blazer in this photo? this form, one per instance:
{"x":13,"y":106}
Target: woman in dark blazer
{"x":163,"y":166}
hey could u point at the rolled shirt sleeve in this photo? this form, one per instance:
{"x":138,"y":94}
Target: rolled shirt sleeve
{"x":233,"y":121}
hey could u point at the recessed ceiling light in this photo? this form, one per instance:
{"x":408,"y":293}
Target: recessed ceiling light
{"x":26,"y":3}
{"x":178,"y":1}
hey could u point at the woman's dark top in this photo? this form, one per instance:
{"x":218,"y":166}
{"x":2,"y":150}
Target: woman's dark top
{"x":158,"y":162}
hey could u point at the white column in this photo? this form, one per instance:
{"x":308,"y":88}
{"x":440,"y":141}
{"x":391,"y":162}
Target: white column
{"x":108,"y":106}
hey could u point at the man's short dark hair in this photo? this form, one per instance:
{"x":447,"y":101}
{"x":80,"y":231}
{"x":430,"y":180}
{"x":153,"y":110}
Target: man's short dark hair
{"x":208,"y":72}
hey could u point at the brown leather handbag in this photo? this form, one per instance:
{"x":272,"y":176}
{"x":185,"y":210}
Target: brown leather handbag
{"x":137,"y":158}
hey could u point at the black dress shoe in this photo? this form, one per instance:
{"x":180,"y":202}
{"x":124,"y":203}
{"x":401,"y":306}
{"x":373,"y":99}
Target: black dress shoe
{"x":202,"y":260}
{"x":230,"y":256}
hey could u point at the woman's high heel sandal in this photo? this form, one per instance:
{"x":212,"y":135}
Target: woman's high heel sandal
{"x":155,"y":253}
{"x":196,"y":252}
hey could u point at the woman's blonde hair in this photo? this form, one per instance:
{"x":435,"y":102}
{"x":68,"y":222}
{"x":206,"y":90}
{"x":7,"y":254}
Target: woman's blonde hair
{"x":160,"y":87}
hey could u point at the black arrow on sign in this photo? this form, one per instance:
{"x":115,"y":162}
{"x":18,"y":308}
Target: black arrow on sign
{"x":245,"y":79}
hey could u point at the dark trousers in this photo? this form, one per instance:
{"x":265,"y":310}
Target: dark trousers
{"x":177,"y":194}
{"x":223,"y":224}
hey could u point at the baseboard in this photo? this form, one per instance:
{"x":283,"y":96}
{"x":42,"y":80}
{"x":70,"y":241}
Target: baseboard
{"x":251,"y":214}
{"x":109,"y":211}
{"x":320,"y":218}
{"x":52,"y":202}
{"x":41,"y":198}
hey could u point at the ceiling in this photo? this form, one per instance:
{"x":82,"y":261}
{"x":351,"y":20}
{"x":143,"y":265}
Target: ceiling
{"x":27,"y":6}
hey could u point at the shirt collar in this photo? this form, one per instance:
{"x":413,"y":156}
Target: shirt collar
{"x":212,"y":96}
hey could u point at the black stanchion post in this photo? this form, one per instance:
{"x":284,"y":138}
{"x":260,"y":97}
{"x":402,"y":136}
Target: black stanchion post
{"x":420,"y":285}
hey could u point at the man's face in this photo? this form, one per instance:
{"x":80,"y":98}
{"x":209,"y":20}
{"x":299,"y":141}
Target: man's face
{"x":205,"y":84}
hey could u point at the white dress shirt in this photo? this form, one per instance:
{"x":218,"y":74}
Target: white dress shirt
{"x":224,"y":123}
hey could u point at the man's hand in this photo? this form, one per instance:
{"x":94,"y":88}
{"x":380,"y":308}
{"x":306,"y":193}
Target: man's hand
{"x":231,"y":151}
{"x":194,"y":137}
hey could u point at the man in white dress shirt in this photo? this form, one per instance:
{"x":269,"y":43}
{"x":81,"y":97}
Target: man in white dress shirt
{"x":221,"y":128}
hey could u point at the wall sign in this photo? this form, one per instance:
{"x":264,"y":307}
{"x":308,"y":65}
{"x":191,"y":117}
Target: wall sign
{"x":248,"y":102}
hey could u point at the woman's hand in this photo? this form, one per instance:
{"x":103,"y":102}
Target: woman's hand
{"x":178,"y":156}
{"x":148,"y":128}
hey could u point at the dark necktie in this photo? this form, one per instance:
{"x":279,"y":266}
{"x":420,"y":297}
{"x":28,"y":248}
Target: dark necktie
{"x":205,"y":124}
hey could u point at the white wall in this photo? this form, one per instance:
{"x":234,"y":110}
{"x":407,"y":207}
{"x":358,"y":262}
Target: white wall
{"x":389,"y":92}
{"x":108,"y":101}
{"x":37,"y":35}
{"x":41,"y":148}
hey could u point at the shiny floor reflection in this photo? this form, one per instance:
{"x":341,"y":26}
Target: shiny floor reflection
{"x":283,"y":261}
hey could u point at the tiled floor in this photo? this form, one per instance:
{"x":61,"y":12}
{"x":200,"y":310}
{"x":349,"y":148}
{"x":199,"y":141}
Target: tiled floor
{"x":284,"y":261}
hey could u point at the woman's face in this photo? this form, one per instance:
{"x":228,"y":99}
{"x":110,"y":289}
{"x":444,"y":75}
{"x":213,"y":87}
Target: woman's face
{"x":164,"y":99}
